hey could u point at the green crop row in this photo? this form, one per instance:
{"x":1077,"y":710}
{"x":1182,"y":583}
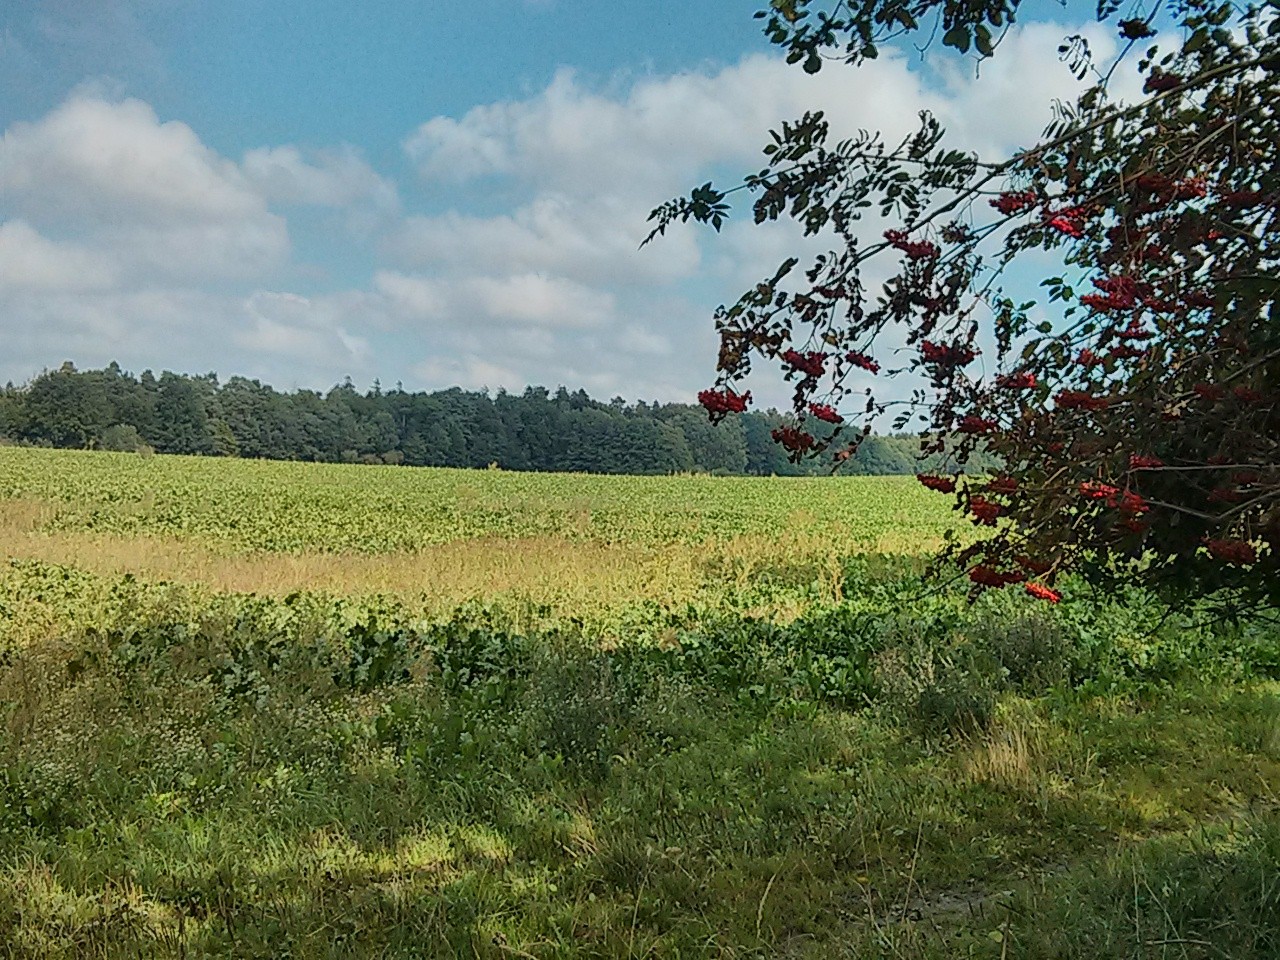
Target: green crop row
{"x":264,"y":505}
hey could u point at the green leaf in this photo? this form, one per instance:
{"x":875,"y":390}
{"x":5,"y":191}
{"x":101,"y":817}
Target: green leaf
{"x":982,"y":40}
{"x":957,"y":37}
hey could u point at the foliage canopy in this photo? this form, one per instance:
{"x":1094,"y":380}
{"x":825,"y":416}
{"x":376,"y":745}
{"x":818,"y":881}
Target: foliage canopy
{"x":1139,"y":425}
{"x":539,"y":429}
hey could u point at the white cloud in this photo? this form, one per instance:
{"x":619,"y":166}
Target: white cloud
{"x":469,"y":372}
{"x":593,"y":240}
{"x":300,"y":329}
{"x":128,"y":237}
{"x":587,"y":166}
{"x":539,"y":299}
{"x":1007,"y":104}
{"x":281,"y":338}
{"x":338,"y":178}
{"x":515,"y":300}
{"x":134,"y":240}
{"x":94,"y":160}
{"x":143,"y":195}
{"x":653,"y":138}
{"x":178,"y":328}
{"x":29,"y":261}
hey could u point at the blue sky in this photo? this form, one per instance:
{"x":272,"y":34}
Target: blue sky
{"x":424,"y":192}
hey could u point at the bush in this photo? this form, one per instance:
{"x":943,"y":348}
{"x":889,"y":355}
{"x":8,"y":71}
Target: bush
{"x":580,"y":711}
{"x":120,"y":438}
{"x":938,"y":688}
{"x":1033,"y":650}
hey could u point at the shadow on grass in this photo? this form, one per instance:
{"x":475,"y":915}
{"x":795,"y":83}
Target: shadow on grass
{"x":280,"y":778}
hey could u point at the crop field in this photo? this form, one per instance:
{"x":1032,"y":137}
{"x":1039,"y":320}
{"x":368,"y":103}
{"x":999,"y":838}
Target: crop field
{"x":260,"y":709}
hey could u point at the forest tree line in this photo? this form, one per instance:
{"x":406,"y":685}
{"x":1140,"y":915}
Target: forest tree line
{"x":111,"y":409}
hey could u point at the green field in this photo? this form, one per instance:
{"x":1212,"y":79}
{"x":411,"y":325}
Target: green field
{"x":283,"y":710}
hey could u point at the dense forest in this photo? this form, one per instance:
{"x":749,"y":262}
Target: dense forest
{"x":112,"y":409}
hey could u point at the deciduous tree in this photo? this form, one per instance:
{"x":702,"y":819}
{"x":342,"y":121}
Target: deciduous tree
{"x":1138,"y":423}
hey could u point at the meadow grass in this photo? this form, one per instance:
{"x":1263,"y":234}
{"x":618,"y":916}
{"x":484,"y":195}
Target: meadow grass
{"x":577,"y":735}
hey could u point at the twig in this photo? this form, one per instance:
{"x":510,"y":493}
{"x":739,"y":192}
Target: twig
{"x":763,"y":897}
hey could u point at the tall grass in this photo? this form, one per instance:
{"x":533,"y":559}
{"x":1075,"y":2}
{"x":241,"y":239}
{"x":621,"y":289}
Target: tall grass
{"x":568,"y":744}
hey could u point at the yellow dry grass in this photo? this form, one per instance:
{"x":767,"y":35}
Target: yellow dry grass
{"x":546,"y":569}
{"x":1008,"y":756}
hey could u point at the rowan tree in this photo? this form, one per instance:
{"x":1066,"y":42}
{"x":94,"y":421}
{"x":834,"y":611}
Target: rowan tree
{"x":1134,"y":406}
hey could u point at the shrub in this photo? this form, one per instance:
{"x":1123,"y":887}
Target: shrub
{"x":1033,"y":650}
{"x":120,"y":438}
{"x":580,"y":711}
{"x":938,"y":688}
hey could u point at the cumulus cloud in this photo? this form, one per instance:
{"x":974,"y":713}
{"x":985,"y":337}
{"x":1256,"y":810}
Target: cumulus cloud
{"x":645,"y":142}
{"x":588,"y":164}
{"x":125,"y":235}
{"x":31,"y":262}
{"x":119,"y":226}
{"x":299,"y":328}
{"x":95,"y":160}
{"x":589,"y":239}
{"x":338,"y":178}
{"x":147,"y":198}
{"x":514,"y":301}
{"x":1007,"y":103}
{"x":177,"y":328}
{"x":282,"y":338}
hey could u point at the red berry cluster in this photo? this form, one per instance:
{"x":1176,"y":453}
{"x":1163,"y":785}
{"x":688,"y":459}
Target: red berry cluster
{"x":720,"y":402}
{"x":812,"y":364}
{"x":1241,"y":199}
{"x":1239,"y":552}
{"x":1134,"y":331}
{"x":1016,"y":381}
{"x":914,"y":249}
{"x":990,"y":577}
{"x":1160,"y":82}
{"x":1031,"y":563}
{"x":972,"y":423}
{"x":984,"y":511}
{"x":1080,"y":400}
{"x":1042,"y":592}
{"x":790,"y":438}
{"x":941,"y":484}
{"x":1247,"y":395}
{"x":1068,"y":220}
{"x":1126,"y":501}
{"x":947,"y":354}
{"x":1126,"y":351}
{"x":1017,"y":202}
{"x":863,"y":361}
{"x":1191,"y":188}
{"x":1118,"y":293}
{"x":825,"y":412}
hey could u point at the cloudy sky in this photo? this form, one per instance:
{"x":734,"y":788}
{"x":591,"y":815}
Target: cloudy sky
{"x":413,"y":190}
